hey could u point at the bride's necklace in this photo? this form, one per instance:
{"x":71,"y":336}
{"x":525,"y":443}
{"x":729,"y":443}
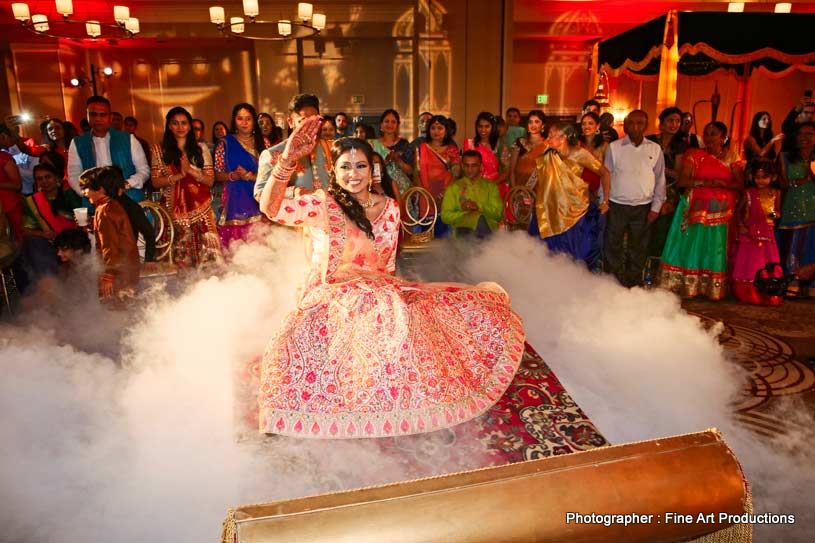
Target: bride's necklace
{"x":369,"y":203}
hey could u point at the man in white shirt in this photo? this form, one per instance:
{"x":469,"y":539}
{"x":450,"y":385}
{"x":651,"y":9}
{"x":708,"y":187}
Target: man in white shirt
{"x":637,"y":169}
{"x":103,"y":146}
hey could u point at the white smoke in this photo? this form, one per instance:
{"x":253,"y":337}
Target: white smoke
{"x":642,"y":368}
{"x":119,"y":426}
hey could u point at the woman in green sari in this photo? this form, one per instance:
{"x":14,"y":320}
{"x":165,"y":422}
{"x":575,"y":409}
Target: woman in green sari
{"x":694,"y":261}
{"x":395,"y":150}
{"x":796,"y":229}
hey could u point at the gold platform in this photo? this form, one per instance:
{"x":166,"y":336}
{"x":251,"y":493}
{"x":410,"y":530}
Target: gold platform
{"x":529,"y":501}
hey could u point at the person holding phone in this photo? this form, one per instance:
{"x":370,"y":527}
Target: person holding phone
{"x":803,"y":112}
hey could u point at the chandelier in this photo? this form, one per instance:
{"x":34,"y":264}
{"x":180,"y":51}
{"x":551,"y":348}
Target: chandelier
{"x":309,"y":24}
{"x":124,"y":26}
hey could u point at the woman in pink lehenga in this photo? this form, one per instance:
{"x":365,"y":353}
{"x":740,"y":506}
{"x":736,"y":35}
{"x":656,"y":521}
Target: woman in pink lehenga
{"x":367,"y":354}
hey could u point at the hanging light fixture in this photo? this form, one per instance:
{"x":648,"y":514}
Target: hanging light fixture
{"x":124,"y":26}
{"x":236,"y":23}
{"x":306,"y":25}
{"x":40,"y":22}
{"x":284,"y":27}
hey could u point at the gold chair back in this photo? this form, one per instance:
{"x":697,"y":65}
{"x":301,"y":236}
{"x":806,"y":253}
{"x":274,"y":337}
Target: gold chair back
{"x":419,"y":215}
{"x":162,"y":222}
{"x":520,"y":201}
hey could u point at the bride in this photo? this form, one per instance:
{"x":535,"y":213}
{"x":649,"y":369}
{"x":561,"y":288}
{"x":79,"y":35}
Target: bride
{"x":367,"y":354}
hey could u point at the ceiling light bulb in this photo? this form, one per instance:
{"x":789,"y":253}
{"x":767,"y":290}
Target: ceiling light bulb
{"x":40,"y":22}
{"x":93,"y":28}
{"x":121,"y":14}
{"x":305,"y":10}
{"x":65,"y":7}
{"x":236,"y":24}
{"x":319,"y":21}
{"x":284,"y":27}
{"x":250,"y":8}
{"x":20,"y":11}
{"x":132,"y":25}
{"x":217,"y":15}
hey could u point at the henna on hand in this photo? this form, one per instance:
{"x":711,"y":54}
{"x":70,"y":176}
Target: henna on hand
{"x":302,"y":140}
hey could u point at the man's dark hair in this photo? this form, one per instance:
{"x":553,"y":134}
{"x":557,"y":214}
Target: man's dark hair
{"x":591,"y":102}
{"x":511,"y":109}
{"x":116,"y":114}
{"x":84,"y":124}
{"x":341,"y":113}
{"x":472,"y":153}
{"x":108,"y":178}
{"x":73,"y":238}
{"x":131,"y":119}
{"x":96,"y":99}
{"x":300,"y":101}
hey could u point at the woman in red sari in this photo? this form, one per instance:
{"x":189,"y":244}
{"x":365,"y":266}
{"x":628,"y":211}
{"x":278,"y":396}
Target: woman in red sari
{"x":11,"y":198}
{"x":486,"y":143}
{"x":437,"y":164}
{"x":526,"y":150}
{"x":694,"y":261}
{"x":437,"y":158}
{"x":182,"y":169}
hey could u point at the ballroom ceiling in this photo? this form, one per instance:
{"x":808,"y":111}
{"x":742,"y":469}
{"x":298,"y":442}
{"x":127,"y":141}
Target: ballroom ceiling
{"x":164,"y":23}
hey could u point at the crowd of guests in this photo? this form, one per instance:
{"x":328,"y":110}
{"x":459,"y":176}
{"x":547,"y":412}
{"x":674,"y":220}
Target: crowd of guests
{"x":718,"y":216}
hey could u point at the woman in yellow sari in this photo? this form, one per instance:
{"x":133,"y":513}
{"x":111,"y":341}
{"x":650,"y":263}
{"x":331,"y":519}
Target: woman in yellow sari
{"x":565,"y":218}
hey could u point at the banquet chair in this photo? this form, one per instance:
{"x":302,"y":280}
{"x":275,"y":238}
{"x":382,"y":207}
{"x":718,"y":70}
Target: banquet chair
{"x":162,"y":222}
{"x":417,"y":225}
{"x":520,"y":202}
{"x":8,"y":254}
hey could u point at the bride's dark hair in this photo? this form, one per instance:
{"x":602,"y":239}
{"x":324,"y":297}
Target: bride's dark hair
{"x":352,"y":209}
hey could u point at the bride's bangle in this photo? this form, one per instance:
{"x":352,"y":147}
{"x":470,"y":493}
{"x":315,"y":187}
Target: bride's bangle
{"x":282,"y":172}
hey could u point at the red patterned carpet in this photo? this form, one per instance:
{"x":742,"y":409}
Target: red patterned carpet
{"x":535,"y":418}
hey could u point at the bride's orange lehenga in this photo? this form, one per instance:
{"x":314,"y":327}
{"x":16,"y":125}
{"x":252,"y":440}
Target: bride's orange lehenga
{"x":369,"y":355}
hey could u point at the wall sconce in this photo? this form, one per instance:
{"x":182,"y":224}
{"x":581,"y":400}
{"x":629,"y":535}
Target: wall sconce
{"x":80,"y":81}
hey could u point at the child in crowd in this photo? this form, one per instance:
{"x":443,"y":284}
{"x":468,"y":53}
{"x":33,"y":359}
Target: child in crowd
{"x":115,"y":241}
{"x":755,"y":245}
{"x":70,"y":244}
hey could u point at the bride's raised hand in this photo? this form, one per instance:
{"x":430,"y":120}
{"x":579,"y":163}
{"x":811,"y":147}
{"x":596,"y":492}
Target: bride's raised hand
{"x":302,"y":139}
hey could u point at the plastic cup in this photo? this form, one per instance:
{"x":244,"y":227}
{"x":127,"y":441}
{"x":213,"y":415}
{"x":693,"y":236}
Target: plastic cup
{"x":81,"y":216}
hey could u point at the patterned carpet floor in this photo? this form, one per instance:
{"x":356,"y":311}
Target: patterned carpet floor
{"x":535,"y":418}
{"x":538,"y":418}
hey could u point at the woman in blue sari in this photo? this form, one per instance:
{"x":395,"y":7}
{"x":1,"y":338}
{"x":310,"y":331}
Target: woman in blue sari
{"x":236,"y":166}
{"x":564,"y":217}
